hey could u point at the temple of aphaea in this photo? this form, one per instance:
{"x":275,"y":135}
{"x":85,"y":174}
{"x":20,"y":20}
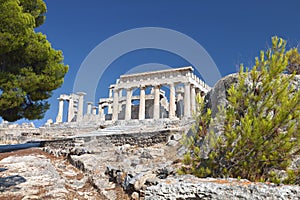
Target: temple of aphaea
{"x":159,"y":94}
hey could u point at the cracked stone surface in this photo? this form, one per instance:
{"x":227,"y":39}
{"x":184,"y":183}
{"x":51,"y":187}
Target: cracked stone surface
{"x":34,"y":174}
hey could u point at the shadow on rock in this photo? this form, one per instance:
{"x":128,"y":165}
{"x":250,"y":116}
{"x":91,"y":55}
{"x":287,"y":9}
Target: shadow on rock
{"x":7,"y":182}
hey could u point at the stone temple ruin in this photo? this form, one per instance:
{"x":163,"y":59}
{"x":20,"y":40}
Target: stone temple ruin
{"x":140,"y":96}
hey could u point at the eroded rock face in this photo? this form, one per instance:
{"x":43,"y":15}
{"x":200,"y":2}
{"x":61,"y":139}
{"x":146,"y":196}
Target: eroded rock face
{"x":217,"y":96}
{"x":33,"y":174}
{"x":130,"y":168}
{"x":189,"y":187}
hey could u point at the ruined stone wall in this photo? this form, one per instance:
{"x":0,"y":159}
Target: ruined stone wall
{"x":82,"y":145}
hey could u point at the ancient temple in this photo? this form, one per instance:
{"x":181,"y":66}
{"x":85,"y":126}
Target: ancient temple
{"x":152,"y":95}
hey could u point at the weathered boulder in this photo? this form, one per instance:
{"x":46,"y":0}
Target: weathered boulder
{"x":190,"y":187}
{"x":217,"y":96}
{"x":34,"y":174}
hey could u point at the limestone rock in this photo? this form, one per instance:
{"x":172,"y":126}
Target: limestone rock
{"x":217,"y":96}
{"x":33,"y":174}
{"x":189,"y":187}
{"x":135,"y":196}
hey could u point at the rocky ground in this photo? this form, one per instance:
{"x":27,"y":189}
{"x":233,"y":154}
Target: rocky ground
{"x":34,"y":174}
{"x":149,"y":173}
{"x":118,"y":165}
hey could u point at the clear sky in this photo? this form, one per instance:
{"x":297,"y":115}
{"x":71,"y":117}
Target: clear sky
{"x":232,"y":32}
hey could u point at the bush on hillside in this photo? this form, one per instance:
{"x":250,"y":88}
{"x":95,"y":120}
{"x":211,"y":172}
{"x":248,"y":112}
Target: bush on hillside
{"x":260,"y":125}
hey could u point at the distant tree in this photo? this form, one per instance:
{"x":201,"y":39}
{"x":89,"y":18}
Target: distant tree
{"x":260,"y":127}
{"x":30,"y":69}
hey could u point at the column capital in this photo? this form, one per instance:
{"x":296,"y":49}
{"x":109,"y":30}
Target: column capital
{"x":90,"y":102}
{"x":142,"y":86}
{"x":128,"y":88}
{"x":81,"y":93}
{"x":155,"y":85}
{"x":116,"y":89}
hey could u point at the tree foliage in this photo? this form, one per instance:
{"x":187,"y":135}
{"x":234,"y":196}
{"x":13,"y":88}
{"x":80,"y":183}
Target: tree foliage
{"x":260,"y":124}
{"x":30,"y":69}
{"x":293,"y":61}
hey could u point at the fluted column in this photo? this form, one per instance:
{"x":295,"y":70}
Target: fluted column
{"x":89,"y":107}
{"x":187,"y":100}
{"x":71,"y":109}
{"x":109,"y":107}
{"x":128,"y":104}
{"x":101,"y":113}
{"x":193,"y":99}
{"x":172,"y":105}
{"x":156,"y":107}
{"x":110,"y":95}
{"x":80,"y":106}
{"x":142,"y":103}
{"x":115,"y":105}
{"x":94,"y":110}
{"x":59,"y":117}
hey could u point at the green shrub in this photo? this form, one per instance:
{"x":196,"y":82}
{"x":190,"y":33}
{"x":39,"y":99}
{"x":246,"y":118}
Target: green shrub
{"x":260,"y":129}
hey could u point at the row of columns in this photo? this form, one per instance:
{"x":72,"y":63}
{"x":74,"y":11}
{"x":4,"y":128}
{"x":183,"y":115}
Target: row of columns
{"x":189,"y":102}
{"x":72,"y":99}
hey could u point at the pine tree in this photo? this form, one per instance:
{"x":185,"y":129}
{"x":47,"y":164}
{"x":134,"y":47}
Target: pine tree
{"x":30,"y":69}
{"x":261,"y":129}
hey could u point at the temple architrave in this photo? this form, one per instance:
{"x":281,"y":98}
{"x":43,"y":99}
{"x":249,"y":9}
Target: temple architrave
{"x":152,"y":95}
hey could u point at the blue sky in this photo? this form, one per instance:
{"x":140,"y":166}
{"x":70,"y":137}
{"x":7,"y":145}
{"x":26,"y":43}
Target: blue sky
{"x":232,"y":32}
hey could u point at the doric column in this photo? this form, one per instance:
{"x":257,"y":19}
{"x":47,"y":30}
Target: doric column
{"x":101,"y":113}
{"x":115,"y":105}
{"x":156,"y":107}
{"x":172,"y":105}
{"x":128,"y":104}
{"x":142,"y":103}
{"x":110,"y":95}
{"x":71,"y":108}
{"x":187,"y":100}
{"x":59,"y":117}
{"x":94,"y":110}
{"x":193,"y":99}
{"x":109,"y":108}
{"x":80,"y":106}
{"x":89,"y":107}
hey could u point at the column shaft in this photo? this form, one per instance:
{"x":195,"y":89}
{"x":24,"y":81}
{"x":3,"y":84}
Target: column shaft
{"x":156,"y":107}
{"x":101,"y":113}
{"x":59,"y":117}
{"x":71,"y":110}
{"x":80,"y":106}
{"x":172,"y":106}
{"x":115,"y":113}
{"x":109,"y":108}
{"x":193,"y":99}
{"x":89,"y":108}
{"x":187,"y":100}
{"x":128,"y":104}
{"x":142,"y":104}
{"x":94,"y":110}
{"x":110,"y":95}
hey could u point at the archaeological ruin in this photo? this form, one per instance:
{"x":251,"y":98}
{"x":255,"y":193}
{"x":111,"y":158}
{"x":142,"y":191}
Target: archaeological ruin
{"x":154,"y":95}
